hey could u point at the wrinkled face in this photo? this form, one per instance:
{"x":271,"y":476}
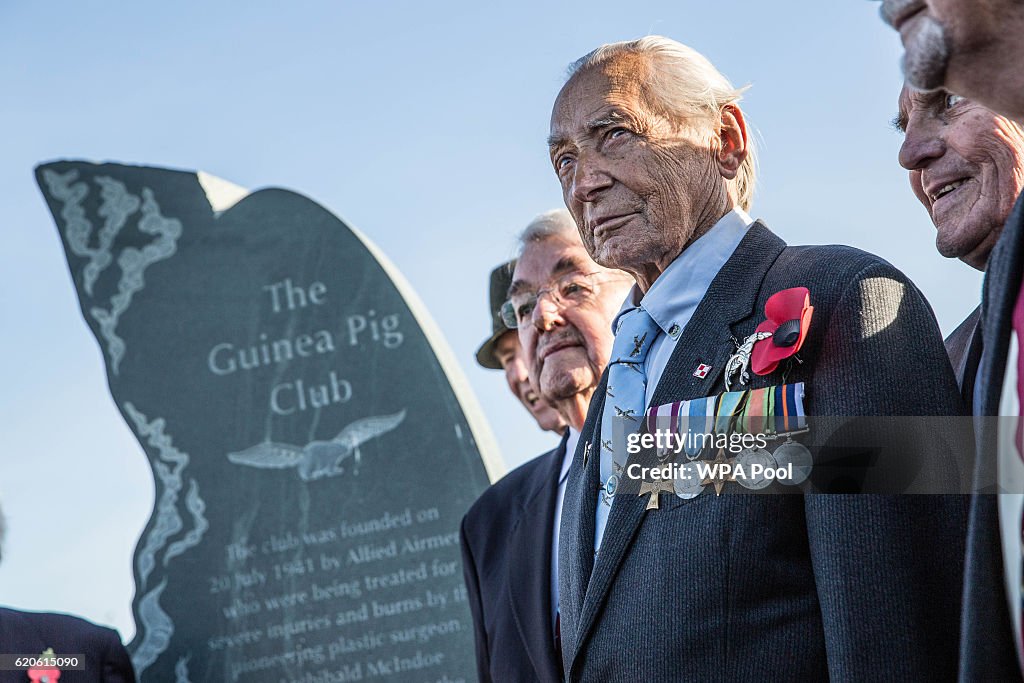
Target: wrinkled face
{"x":636,"y":183}
{"x":566,"y":346}
{"x":957,"y":44}
{"x":509,"y":353}
{"x":966,"y":167}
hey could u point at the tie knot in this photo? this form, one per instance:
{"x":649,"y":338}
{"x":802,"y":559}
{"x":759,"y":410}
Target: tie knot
{"x":636,"y":333}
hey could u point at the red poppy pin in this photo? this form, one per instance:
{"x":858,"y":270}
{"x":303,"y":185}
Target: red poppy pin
{"x":788,"y":316}
{"x":42,"y":673}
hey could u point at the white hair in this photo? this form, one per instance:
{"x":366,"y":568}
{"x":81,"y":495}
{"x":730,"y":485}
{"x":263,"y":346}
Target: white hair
{"x":553,"y":223}
{"x":686,"y":84}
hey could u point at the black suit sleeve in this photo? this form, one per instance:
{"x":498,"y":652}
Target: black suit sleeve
{"x":475,"y":605}
{"x":117,"y":665}
{"x":888,"y":568}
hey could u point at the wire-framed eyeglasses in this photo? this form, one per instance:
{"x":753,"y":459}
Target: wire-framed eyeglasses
{"x":569,"y":290}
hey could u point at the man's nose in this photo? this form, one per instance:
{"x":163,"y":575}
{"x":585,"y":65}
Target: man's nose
{"x":547,"y":313}
{"x":922,"y":144}
{"x":590,"y":177}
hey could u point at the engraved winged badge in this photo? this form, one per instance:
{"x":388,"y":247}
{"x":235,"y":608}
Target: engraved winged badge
{"x":319,"y":459}
{"x":739,"y":361}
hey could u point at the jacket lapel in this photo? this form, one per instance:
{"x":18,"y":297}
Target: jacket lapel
{"x":960,"y":342}
{"x":999,"y":295}
{"x":706,"y":339}
{"x":529,"y":571}
{"x":966,"y":367}
{"x":576,"y":542}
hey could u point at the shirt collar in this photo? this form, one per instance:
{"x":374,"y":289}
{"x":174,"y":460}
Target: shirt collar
{"x":683,"y":284}
{"x":570,"y":448}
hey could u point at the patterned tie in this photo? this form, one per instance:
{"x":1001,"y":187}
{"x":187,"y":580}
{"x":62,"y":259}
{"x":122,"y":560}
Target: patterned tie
{"x":624,"y":402}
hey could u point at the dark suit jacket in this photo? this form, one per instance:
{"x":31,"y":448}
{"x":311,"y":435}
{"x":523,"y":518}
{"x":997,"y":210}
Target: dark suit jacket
{"x":506,"y":559}
{"x":987,"y":648}
{"x":30,"y":633}
{"x":776,"y":587}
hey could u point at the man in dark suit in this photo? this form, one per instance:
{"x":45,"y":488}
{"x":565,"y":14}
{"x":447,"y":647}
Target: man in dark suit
{"x":32,"y":633}
{"x":60,"y":635}
{"x":652,"y":152}
{"x":966,"y":167}
{"x":509,"y":536}
{"x":974,"y":49}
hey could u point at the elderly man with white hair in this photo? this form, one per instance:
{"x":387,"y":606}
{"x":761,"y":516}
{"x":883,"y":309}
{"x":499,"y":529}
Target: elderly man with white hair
{"x":727,"y":322}
{"x":966,"y":167}
{"x":561,"y":305}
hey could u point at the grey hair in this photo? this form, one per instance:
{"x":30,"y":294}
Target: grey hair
{"x":686,"y":84}
{"x":553,"y":223}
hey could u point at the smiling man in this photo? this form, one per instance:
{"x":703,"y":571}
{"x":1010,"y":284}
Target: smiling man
{"x":655,"y":163}
{"x":966,"y":167}
{"x":510,"y":535}
{"x":509,"y":355}
{"x":973,"y":48}
{"x":501,"y":351}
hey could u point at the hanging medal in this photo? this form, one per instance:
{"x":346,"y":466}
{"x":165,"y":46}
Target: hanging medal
{"x":687,"y":483}
{"x":794,"y":419}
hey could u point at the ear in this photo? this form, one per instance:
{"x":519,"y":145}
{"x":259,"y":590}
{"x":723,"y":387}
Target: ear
{"x":732,"y":141}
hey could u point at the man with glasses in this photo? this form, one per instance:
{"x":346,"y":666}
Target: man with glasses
{"x":562,"y":303}
{"x":510,"y":535}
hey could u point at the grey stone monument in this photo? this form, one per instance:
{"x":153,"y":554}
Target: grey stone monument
{"x":313,"y":445}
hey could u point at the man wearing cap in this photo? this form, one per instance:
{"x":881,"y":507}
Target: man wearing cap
{"x":501,"y":351}
{"x":510,"y":535}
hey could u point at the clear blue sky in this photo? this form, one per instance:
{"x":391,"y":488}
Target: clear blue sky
{"x":421,"y":124}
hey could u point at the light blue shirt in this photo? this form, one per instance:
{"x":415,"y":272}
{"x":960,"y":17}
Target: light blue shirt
{"x":674,"y":296}
{"x":563,"y":473}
